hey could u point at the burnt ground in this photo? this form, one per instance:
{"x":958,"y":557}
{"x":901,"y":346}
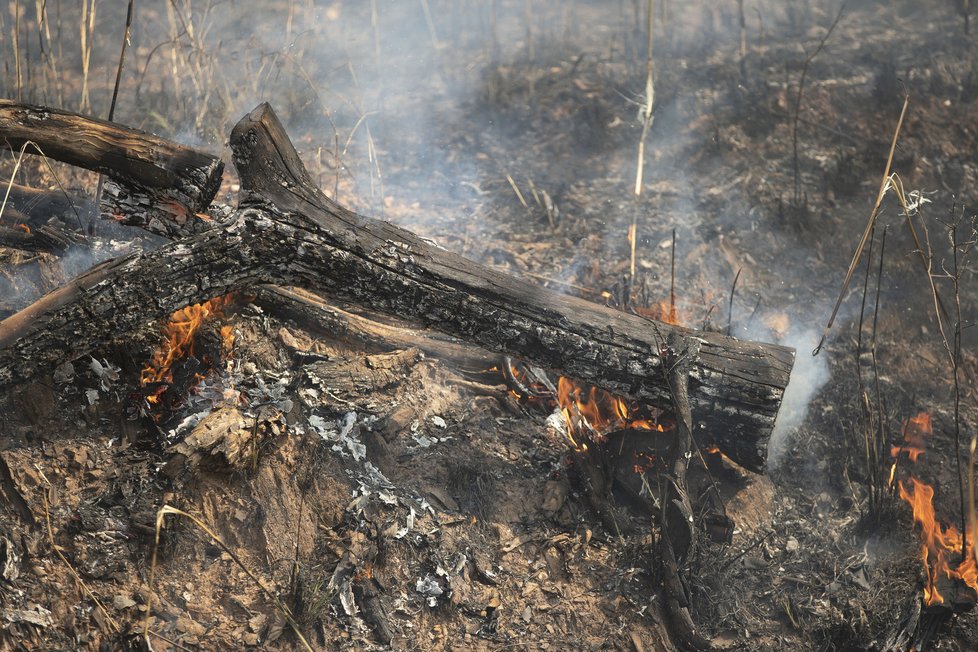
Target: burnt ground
{"x":394,"y":498}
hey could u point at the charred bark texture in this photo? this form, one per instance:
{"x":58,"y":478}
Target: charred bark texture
{"x":152,"y":182}
{"x":286,"y":232}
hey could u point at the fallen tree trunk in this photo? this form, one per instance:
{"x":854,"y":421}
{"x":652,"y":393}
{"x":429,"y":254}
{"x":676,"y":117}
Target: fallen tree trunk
{"x":286,"y":232}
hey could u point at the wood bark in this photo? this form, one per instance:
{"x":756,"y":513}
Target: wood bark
{"x":151,"y":181}
{"x":286,"y":232}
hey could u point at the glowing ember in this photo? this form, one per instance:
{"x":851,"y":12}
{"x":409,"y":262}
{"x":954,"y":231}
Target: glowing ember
{"x":179,"y":339}
{"x":942,"y":546}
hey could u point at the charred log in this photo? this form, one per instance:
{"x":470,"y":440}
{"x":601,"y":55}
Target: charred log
{"x":43,"y":238}
{"x":286,"y":232}
{"x":36,"y":206}
{"x":152,"y":182}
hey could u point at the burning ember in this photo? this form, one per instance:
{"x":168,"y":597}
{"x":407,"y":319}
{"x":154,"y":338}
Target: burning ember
{"x":180,"y":341}
{"x":946,"y":553}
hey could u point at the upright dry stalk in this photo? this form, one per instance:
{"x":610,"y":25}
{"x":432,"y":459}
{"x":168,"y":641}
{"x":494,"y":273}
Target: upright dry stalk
{"x":375,"y":27}
{"x":112,"y":103}
{"x":16,"y":39}
{"x":796,"y":197}
{"x":647,"y":106}
{"x":528,"y":17}
{"x":877,"y":434}
{"x":857,"y":254}
{"x":47,"y":44}
{"x":646,"y":115}
{"x":87,"y":32}
{"x":959,"y":251}
{"x":743,"y":31}
{"x":431,"y":23}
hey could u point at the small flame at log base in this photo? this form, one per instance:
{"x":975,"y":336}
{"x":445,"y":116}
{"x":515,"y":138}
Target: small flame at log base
{"x":180,"y":341}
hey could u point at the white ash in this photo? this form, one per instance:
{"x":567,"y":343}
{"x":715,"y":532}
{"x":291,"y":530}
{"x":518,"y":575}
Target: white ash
{"x":429,"y":587}
{"x":341,"y":433}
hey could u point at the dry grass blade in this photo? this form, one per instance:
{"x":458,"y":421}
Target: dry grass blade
{"x":884,"y":182}
{"x":279,"y":605}
{"x":647,"y":107}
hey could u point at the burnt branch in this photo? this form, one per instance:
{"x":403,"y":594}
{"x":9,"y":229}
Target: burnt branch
{"x":150,"y":181}
{"x":677,"y":530}
{"x":286,"y":232}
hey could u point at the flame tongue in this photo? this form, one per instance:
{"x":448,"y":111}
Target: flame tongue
{"x":591,"y":413}
{"x":941,"y":547}
{"x":179,"y":340}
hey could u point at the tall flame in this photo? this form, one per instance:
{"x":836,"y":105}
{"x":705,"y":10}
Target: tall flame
{"x":941,"y":547}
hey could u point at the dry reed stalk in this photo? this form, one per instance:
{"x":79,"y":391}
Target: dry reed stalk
{"x":431,"y":24}
{"x":857,"y":254}
{"x":87,"y":33}
{"x":166,"y":510}
{"x":16,"y":43}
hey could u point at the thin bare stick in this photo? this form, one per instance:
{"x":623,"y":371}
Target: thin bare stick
{"x":733,"y":289}
{"x":431,"y":23}
{"x":17,"y":50}
{"x":672,"y":280}
{"x":112,"y":103}
{"x":869,"y":227}
{"x":972,"y":513}
{"x":87,"y":31}
{"x":647,"y":106}
{"x":797,"y":107}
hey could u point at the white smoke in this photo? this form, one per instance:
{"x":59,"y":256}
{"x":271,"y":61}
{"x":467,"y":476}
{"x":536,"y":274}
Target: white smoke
{"x":808,"y":376}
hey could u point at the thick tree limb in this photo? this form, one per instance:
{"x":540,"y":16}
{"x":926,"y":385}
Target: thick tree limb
{"x":286,"y":232}
{"x":152,"y":182}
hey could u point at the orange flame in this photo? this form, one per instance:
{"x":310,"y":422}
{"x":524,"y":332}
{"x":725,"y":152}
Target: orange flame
{"x":179,"y":338}
{"x":941,"y":546}
{"x":591,"y":413}
{"x":26,"y":229}
{"x":915,"y":431}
